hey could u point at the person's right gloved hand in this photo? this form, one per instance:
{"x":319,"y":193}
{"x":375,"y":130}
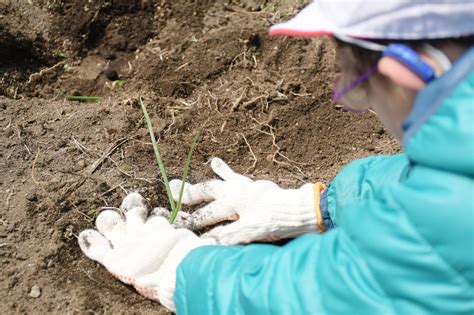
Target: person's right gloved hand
{"x":140,"y":250}
{"x":262,"y":211}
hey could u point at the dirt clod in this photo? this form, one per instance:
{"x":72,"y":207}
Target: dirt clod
{"x":32,"y":197}
{"x":35,"y":292}
{"x":111,"y":74}
{"x":65,"y":205}
{"x":81,"y":163}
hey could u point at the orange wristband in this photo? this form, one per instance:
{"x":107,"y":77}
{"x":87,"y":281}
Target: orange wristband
{"x":318,"y":188}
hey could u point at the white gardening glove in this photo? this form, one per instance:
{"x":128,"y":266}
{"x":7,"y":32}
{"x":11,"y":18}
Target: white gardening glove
{"x":140,"y":251}
{"x":262,"y":210}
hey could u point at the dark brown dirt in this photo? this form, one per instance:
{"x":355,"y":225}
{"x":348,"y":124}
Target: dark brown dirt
{"x":264,"y":105}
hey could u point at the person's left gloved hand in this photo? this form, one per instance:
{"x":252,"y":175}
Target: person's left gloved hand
{"x":140,"y":251}
{"x":261,"y":210}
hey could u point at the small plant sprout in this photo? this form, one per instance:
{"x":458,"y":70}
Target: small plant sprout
{"x":174,"y":205}
{"x":83,"y":98}
{"x":187,"y":164}
{"x":68,"y":68}
{"x":59,"y":54}
{"x":93,"y":212}
{"x":118,"y":83}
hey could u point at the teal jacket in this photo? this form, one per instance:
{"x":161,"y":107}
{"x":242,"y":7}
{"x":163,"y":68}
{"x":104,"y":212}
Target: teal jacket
{"x":402,"y":240}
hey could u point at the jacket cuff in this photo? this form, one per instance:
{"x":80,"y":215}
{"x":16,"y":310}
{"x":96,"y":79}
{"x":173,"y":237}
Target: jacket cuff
{"x":324,"y":208}
{"x":321,"y":207}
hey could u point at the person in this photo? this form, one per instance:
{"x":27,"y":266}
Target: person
{"x":389,"y":235}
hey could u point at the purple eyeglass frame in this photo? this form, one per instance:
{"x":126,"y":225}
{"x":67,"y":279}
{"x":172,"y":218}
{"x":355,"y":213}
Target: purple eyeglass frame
{"x":338,"y":94}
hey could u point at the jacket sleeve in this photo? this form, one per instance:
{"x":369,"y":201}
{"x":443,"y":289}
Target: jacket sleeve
{"x":358,"y":181}
{"x":313,"y":274}
{"x":381,"y":258}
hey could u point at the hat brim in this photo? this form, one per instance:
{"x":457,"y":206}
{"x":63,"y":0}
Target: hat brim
{"x":309,"y":22}
{"x":281,"y":31}
{"x":394,"y":20}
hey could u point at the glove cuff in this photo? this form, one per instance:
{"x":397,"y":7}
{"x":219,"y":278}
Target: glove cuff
{"x":318,"y":189}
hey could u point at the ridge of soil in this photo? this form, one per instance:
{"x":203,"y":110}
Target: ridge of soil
{"x":264,"y":105}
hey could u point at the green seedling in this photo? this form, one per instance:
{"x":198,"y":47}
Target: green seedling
{"x":83,"y":98}
{"x":175,"y":206}
{"x":68,"y":68}
{"x":118,"y":83}
{"x":68,"y":233}
{"x":59,"y":54}
{"x":187,"y":164}
{"x":93,"y":212}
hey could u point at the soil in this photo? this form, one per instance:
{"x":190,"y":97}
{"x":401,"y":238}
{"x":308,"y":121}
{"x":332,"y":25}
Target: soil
{"x":264,"y":105}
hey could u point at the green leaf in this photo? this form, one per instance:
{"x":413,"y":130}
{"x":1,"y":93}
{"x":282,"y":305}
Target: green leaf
{"x":83,"y":98}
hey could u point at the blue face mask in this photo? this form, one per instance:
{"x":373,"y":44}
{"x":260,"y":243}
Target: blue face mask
{"x":413,"y":61}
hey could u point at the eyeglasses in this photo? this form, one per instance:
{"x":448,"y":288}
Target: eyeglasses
{"x":351,"y":97}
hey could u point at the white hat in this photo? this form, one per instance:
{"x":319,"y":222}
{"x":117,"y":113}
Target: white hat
{"x":382,"y":19}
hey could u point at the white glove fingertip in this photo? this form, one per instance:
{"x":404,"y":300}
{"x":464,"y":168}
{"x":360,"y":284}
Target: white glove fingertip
{"x":161,"y":212}
{"x":221,"y":168}
{"x":107,"y":220}
{"x":217,"y":162}
{"x":175,"y":187}
{"x":132,"y":200}
{"x":94,"y":245}
{"x":225,"y":172}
